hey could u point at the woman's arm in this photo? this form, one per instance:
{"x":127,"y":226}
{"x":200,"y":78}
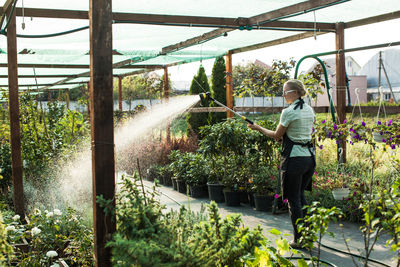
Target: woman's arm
{"x":277,"y":134}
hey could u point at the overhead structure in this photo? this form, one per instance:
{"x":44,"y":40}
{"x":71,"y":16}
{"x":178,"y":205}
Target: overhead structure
{"x":53,"y":48}
{"x":153,"y":34}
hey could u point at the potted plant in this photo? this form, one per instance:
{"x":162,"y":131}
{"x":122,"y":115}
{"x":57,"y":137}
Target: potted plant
{"x":337,"y":182}
{"x":264,"y":182}
{"x":197,"y":175}
{"x":387,"y":132}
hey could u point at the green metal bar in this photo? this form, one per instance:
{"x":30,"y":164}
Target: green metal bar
{"x":326,"y":80}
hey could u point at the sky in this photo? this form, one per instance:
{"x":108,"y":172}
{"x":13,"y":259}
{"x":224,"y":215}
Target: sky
{"x":377,"y":33}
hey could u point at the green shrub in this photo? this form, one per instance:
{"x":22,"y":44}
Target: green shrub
{"x":199,"y":85}
{"x":6,"y":251}
{"x":218,"y":89}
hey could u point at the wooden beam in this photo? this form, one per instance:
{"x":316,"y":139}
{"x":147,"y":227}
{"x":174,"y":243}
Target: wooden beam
{"x":5,"y":10}
{"x":365,"y":109}
{"x":341,"y":82}
{"x":120,"y":93}
{"x":15,"y":131}
{"x":371,"y":20}
{"x":43,"y":84}
{"x":229,"y":84}
{"x":102,"y":126}
{"x":289,"y":10}
{"x":255,"y":20}
{"x":188,"y":21}
{"x":284,"y":40}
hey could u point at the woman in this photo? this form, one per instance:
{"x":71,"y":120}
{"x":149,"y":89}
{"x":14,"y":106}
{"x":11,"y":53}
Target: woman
{"x":298,"y":160}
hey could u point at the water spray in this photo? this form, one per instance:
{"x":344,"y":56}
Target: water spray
{"x":207,"y":96}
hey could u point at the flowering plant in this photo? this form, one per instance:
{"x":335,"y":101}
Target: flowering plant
{"x":330,"y":130}
{"x":332,"y":180}
{"x":263,"y":181}
{"x":387,"y":132}
{"x":359,"y":132}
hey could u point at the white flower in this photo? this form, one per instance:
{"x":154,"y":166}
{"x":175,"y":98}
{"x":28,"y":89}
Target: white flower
{"x":50,"y":214}
{"x":10,"y":228}
{"x":57,"y":212}
{"x":35,"y":231}
{"x":51,"y":254}
{"x":16,"y":217}
{"x":55,"y":265}
{"x":37,"y":212}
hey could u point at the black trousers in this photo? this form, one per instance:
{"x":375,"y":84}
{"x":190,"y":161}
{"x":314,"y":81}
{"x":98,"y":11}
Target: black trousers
{"x":297,"y":176}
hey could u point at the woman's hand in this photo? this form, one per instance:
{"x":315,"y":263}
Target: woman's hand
{"x":254,"y":127}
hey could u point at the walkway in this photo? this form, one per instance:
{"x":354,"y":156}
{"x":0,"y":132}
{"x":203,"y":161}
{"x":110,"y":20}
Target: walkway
{"x":268,"y":221}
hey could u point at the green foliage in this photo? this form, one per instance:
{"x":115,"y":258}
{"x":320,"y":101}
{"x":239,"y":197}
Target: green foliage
{"x":235,"y":152}
{"x":147,"y":236}
{"x":218,"y":89}
{"x":60,"y":232}
{"x":255,"y":80}
{"x":6,"y":251}
{"x":189,"y":167}
{"x":264,"y":180}
{"x":313,"y":82}
{"x":315,"y":226}
{"x":199,"y":85}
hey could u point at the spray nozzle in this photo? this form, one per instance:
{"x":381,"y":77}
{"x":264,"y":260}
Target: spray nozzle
{"x":205,"y":96}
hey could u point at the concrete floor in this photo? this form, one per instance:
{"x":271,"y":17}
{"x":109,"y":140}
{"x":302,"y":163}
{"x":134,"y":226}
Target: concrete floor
{"x":251,"y":218}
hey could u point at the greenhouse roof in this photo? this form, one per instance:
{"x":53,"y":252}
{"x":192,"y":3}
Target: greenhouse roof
{"x":149,"y":34}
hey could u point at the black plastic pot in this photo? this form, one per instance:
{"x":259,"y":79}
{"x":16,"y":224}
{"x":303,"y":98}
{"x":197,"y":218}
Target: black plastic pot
{"x":232,"y":198}
{"x":167,"y":181}
{"x":174,"y":184}
{"x":181,"y":186}
{"x":250,"y":196}
{"x":263,"y":202}
{"x":215,"y":192}
{"x":244,"y":198}
{"x":198,"y":191}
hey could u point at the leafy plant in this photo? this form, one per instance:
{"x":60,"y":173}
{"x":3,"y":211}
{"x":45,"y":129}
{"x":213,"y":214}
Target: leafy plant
{"x":264,"y":180}
{"x":315,"y":226}
{"x":218,"y":89}
{"x":6,"y":251}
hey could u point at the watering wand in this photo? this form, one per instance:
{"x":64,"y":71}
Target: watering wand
{"x":207,"y":96}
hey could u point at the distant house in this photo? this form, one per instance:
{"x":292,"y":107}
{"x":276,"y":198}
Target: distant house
{"x":355,"y":81}
{"x":391,"y":63}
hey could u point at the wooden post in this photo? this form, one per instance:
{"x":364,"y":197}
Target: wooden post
{"x":341,"y":80}
{"x":229,"y":84}
{"x":102,"y":131}
{"x":15,"y":131}
{"x":166,"y":96}
{"x":120,"y":93}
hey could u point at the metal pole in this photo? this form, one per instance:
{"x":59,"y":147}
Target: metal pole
{"x":102,"y":132}
{"x":387,"y":79}
{"x":166,"y":96}
{"x":15,"y":131}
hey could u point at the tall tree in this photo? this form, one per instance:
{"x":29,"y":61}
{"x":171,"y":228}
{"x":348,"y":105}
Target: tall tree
{"x":199,"y":85}
{"x":218,"y":88}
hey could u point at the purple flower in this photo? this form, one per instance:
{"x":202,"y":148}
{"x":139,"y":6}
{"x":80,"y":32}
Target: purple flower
{"x":365,"y":141}
{"x":393,"y":146}
{"x":363,"y":123}
{"x":321,"y":147}
{"x":319,"y":138}
{"x":341,"y":132}
{"x":323,"y":121}
{"x":381,"y":133}
{"x":344,"y":121}
{"x":379,"y":123}
{"x":285,"y":200}
{"x":390,"y":122}
{"x":384,"y":140}
{"x":335,"y":126}
{"x":398,"y":136}
{"x":276,"y":196}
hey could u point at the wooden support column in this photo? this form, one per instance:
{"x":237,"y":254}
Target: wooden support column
{"x":102,"y":130}
{"x":341,"y":79}
{"x":15,"y":131}
{"x":120,"y":93}
{"x":166,"y":96}
{"x":229,"y":84}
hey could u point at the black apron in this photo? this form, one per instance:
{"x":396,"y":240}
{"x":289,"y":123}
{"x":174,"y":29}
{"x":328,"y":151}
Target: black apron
{"x":287,"y":146}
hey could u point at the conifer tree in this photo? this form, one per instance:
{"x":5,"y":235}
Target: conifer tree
{"x":199,"y":85}
{"x":218,"y":89}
